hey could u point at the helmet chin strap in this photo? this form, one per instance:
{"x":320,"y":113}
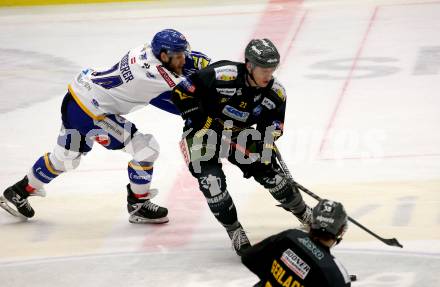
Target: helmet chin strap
{"x":250,"y":74}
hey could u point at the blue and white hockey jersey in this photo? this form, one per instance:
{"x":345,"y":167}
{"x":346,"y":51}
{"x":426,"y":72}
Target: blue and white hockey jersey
{"x":134,"y":82}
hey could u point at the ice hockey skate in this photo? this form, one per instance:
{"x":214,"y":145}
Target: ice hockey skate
{"x":239,"y":239}
{"x":142,"y":210}
{"x":14,"y":199}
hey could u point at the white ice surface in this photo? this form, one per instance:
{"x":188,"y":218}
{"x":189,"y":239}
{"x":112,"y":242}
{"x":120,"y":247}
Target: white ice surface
{"x":364,"y":75}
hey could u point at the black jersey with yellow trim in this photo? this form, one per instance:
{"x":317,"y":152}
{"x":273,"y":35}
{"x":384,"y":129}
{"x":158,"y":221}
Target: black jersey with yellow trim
{"x":292,"y":258}
{"x":220,"y":91}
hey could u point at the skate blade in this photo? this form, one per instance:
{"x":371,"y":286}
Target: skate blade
{"x":10,"y":210}
{"x":141,"y":220}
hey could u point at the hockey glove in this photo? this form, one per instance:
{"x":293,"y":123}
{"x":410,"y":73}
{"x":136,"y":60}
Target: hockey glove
{"x":194,"y":145}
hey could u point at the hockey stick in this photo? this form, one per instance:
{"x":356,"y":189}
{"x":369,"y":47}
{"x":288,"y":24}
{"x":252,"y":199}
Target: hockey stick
{"x":387,"y":241}
{"x":390,"y":241}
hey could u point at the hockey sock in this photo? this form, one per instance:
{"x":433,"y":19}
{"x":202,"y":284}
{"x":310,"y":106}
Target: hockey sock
{"x":42,"y":172}
{"x":140,"y":174}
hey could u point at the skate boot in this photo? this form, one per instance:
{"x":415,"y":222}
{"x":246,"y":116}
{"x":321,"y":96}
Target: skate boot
{"x":14,"y":199}
{"x":142,"y":210}
{"x":239,"y":239}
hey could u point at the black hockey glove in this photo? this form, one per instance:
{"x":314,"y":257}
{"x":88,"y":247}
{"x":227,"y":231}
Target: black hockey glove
{"x":202,"y":125}
{"x":200,"y":138}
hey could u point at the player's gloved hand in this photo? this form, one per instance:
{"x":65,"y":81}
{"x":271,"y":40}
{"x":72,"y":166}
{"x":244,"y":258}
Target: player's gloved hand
{"x":194,"y":62}
{"x":276,"y":129}
{"x":200,"y":60}
{"x":193,"y":144}
{"x":205,"y":125}
{"x":267,"y":152}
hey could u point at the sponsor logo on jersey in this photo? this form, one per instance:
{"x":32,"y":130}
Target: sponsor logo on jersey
{"x":81,"y":81}
{"x":295,"y":263}
{"x":188,"y":86}
{"x":102,"y":140}
{"x":257,"y":110}
{"x":226,"y":91}
{"x":165,"y":76}
{"x":257,"y":97}
{"x":239,"y":92}
{"x":133,"y":60}
{"x":235,"y":114}
{"x":95,"y":103}
{"x":279,"y":90}
{"x":226,"y":73}
{"x":150,"y":75}
{"x":143,"y":56}
{"x":311,"y":247}
{"x":268,"y":104}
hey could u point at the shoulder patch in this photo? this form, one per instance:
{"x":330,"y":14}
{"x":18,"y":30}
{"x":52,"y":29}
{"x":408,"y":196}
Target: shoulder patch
{"x":279,"y":90}
{"x":226,"y":73}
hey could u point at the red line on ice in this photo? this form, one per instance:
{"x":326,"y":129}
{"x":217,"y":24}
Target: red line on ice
{"x":185,"y":202}
{"x":347,"y":81}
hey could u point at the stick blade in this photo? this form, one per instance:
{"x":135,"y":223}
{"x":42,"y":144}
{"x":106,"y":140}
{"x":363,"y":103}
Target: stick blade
{"x":392,"y":242}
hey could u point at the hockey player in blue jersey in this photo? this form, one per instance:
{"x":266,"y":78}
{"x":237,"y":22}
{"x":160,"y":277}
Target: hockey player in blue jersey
{"x":91,"y":112}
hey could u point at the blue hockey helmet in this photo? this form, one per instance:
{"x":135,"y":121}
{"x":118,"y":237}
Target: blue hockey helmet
{"x":169,"y":40}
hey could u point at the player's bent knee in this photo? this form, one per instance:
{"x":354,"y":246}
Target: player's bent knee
{"x":143,"y":147}
{"x":64,"y":160}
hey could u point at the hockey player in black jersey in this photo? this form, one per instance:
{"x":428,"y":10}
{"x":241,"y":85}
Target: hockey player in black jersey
{"x":220,"y":105}
{"x":297,"y":258}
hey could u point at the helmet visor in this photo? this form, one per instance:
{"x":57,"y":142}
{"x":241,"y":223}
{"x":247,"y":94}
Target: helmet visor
{"x":186,"y":50}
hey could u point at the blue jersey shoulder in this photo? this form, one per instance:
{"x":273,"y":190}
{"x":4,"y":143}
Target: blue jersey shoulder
{"x":195,"y":61}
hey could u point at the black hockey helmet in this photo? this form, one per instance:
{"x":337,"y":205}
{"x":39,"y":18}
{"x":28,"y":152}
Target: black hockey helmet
{"x":262,"y":53}
{"x":329,"y":217}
